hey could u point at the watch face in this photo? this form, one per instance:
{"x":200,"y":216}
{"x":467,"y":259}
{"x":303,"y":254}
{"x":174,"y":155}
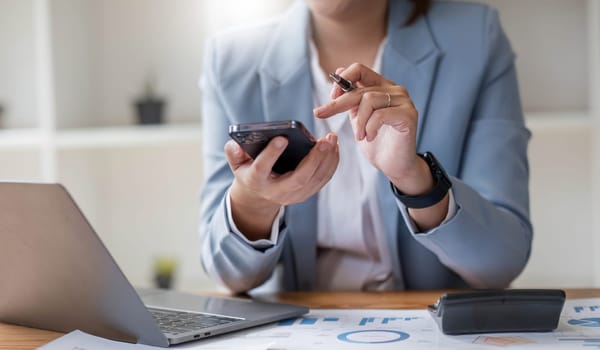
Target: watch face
{"x":436,"y":167}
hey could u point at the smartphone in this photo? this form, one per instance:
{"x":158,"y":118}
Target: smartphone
{"x":254,"y":137}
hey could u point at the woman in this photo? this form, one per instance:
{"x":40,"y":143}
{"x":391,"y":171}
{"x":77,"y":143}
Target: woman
{"x":366,"y":210}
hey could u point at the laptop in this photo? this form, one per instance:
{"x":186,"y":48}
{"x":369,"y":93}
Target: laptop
{"x":56,"y":274}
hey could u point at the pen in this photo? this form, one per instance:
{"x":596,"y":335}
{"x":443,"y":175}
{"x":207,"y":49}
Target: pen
{"x":343,"y":83}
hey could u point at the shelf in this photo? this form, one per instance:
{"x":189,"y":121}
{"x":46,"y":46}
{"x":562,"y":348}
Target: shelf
{"x":17,"y":139}
{"x":128,"y":136}
{"x":538,"y":121}
{"x":165,"y":134}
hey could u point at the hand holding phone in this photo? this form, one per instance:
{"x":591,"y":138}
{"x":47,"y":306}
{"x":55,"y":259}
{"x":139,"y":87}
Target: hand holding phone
{"x":257,"y":192}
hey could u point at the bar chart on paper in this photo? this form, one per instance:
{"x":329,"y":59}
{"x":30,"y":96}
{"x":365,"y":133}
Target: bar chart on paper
{"x":411,"y":329}
{"x":328,"y":329}
{"x":579,"y":328}
{"x":362,"y":330}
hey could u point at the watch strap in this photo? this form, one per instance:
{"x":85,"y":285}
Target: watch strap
{"x":441,"y":186}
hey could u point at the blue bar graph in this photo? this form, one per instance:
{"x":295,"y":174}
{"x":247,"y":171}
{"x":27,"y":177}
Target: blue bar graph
{"x":587,"y":342}
{"x":592,"y":308}
{"x":365,"y":320}
{"x":385,"y":320}
{"x":388,"y":319}
{"x":311,"y":321}
{"x":308,"y":321}
{"x":288,"y":322}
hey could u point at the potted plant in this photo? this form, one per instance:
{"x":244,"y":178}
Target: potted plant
{"x":164,"y":272}
{"x":150,"y":107}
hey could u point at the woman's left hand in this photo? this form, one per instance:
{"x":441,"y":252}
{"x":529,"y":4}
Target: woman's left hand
{"x":384,"y":120}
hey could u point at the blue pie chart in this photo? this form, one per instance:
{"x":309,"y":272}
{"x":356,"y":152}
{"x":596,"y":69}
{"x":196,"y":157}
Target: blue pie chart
{"x":586,"y":322}
{"x":374,"y":336}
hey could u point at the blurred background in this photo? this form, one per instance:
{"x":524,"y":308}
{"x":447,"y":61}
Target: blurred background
{"x":102,"y":96}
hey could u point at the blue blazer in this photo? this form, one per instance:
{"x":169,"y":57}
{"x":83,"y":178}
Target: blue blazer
{"x":458,"y":67}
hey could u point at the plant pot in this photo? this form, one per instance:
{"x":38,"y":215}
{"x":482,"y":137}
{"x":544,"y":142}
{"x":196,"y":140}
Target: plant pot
{"x":150,"y":111}
{"x":164,"y":271}
{"x":163,"y":281}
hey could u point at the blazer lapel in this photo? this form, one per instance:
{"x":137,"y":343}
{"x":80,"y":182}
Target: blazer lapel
{"x":410,"y":59}
{"x":286,"y":88}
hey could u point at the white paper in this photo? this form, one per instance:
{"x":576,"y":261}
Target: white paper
{"x":579,"y":328}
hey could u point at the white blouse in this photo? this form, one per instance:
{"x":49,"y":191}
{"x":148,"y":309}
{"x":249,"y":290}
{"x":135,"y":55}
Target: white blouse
{"x":351,"y":250}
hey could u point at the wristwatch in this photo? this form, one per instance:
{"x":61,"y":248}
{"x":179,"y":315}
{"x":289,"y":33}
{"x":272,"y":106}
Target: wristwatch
{"x":440,"y":188}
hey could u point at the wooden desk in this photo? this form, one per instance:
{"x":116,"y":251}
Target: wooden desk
{"x":22,"y":338}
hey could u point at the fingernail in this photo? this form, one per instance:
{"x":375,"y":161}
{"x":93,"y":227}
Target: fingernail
{"x":280,"y":142}
{"x":237,"y":150}
{"x":324,"y":146}
{"x":332,"y":139}
{"x":232,"y":147}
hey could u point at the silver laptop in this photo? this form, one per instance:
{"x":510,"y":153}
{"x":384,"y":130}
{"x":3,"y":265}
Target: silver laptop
{"x":56,"y":274}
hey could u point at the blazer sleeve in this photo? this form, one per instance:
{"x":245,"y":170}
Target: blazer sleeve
{"x":488,"y":241}
{"x":225,"y":256}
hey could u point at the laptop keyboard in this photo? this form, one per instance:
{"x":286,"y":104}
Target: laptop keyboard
{"x":177,"y":322}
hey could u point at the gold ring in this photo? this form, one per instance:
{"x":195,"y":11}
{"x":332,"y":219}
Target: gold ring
{"x":389,"y":102}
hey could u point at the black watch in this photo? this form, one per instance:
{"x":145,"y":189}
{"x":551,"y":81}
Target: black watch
{"x":440,"y":188}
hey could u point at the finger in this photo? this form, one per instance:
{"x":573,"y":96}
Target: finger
{"x":300,"y":177}
{"x":321,"y":174}
{"x":353,"y":112}
{"x":332,"y":138}
{"x":370,"y":102}
{"x":235,"y":155}
{"x":396,"y":117}
{"x":361,"y":74}
{"x":326,"y":169}
{"x":341,"y":104}
{"x":344,"y":101}
{"x":263,"y":164}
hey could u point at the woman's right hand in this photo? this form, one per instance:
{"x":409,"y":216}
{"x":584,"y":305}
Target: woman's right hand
{"x":257,"y":193}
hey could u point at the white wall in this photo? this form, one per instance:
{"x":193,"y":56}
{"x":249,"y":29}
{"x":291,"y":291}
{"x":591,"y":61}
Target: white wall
{"x":550,"y":40}
{"x":74,"y":57}
{"x":17,"y":65}
{"x":23,"y":165}
{"x":553,"y":60}
{"x":143,"y":202}
{"x":106,"y":50}
{"x":561,"y":202}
